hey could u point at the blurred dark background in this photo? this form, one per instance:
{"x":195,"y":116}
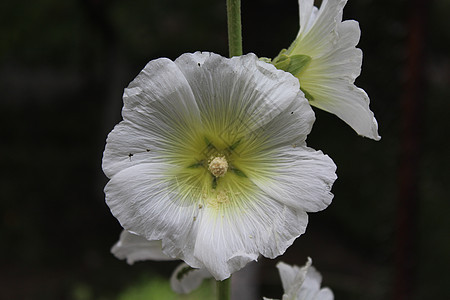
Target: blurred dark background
{"x":63,"y":68}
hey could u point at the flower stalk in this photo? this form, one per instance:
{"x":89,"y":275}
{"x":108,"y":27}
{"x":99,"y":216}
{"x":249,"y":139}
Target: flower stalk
{"x":234,"y":27}
{"x":235,"y":49}
{"x":223,"y":289}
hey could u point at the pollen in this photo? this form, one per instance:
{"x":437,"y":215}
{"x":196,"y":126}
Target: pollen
{"x":218,"y":166}
{"x":222,"y":197}
{"x":218,"y":200}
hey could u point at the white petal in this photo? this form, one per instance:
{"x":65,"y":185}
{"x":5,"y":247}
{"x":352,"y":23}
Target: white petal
{"x":289,"y":127}
{"x":311,"y":285}
{"x":324,"y":294}
{"x":160,"y":90}
{"x":246,"y":91}
{"x":230,"y":237}
{"x":146,"y":201}
{"x":158,"y":107}
{"x":330,"y":80}
{"x":310,"y":289}
{"x":262,"y":154}
{"x":186,"y":279}
{"x":348,"y":102}
{"x":335,"y":64}
{"x":292,"y":277}
{"x":317,"y":33}
{"x":224,"y":240}
{"x":126,"y":146}
{"x":302,"y":283}
{"x":302,"y":179}
{"x":344,"y":60}
{"x":133,"y":248}
{"x":308,"y":15}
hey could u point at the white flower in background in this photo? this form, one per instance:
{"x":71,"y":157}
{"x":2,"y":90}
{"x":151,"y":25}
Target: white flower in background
{"x":302,"y":283}
{"x":211,"y":159}
{"x":133,"y":248}
{"x":186,"y":279}
{"x":326,"y":61}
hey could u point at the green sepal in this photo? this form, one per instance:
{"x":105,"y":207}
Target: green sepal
{"x":283,"y":51}
{"x":308,"y":96}
{"x":282,"y":61}
{"x":298,"y":64}
{"x":265,"y":59}
{"x":294,"y":64}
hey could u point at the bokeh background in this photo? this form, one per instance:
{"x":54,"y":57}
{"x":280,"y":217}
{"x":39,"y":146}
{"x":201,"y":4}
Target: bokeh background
{"x":63,"y":68}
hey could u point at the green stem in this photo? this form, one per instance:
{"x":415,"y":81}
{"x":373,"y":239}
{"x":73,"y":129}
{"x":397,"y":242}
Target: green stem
{"x":234,"y":27}
{"x":223,"y":289}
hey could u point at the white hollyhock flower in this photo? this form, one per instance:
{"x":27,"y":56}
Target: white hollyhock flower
{"x":186,"y":279}
{"x":326,"y":61}
{"x":302,"y":283}
{"x":133,"y":248}
{"x":211,"y":159}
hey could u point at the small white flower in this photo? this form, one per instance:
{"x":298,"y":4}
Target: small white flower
{"x":326,"y":61}
{"x":302,"y":283}
{"x":211,"y":159}
{"x":133,"y":248}
{"x":186,"y":279}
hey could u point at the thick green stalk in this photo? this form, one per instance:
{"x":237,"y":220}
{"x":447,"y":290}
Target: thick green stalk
{"x":234,"y":27}
{"x":223,"y":289}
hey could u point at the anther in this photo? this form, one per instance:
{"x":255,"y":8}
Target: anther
{"x":218,"y":166}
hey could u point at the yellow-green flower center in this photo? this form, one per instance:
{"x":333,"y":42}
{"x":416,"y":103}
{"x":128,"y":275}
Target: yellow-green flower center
{"x":213,"y":163}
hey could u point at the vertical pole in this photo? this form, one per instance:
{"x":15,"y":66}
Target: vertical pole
{"x":411,"y":110}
